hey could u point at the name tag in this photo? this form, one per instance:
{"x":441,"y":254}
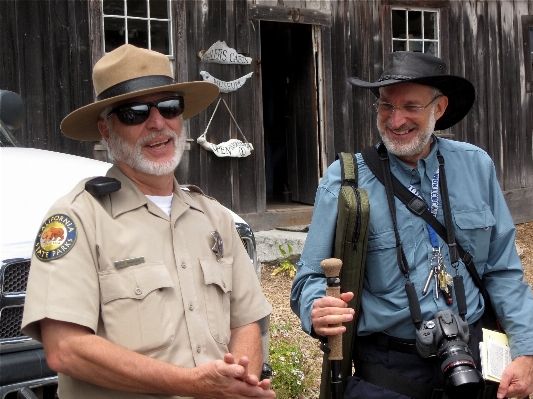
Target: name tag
{"x":119,"y":264}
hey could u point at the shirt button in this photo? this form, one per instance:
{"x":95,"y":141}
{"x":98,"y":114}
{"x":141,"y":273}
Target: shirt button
{"x":223,"y":284}
{"x":138,"y":291}
{"x":198,"y":349}
{"x":190,"y":306}
{"x":183,"y":265}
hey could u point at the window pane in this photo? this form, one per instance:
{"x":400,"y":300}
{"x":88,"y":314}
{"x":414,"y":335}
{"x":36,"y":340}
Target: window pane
{"x":159,"y":33}
{"x":137,"y":8}
{"x":138,"y":32}
{"x":113,"y":7}
{"x":415,"y":46}
{"x":431,"y":48}
{"x":159,"y":9}
{"x":399,"y":27}
{"x":430,"y":25}
{"x":415,"y":24}
{"x":114,"y":33}
{"x":398,"y":45}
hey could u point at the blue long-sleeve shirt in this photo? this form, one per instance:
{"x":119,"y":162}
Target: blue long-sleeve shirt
{"x":483,"y":226}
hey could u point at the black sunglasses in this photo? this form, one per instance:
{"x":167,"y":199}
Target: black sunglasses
{"x":137,"y":113}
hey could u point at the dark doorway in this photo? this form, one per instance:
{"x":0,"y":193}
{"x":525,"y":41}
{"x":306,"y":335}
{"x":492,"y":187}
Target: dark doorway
{"x":289,"y":112}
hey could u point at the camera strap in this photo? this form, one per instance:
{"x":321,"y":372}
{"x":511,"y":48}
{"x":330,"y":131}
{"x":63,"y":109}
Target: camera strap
{"x":378,"y":161}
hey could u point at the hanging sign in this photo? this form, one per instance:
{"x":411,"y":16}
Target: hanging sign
{"x":220,"y":53}
{"x":226,"y":87}
{"x":231,"y":148}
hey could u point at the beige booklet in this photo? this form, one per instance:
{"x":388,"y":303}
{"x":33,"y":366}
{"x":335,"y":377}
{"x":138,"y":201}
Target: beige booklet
{"x":495,"y":355}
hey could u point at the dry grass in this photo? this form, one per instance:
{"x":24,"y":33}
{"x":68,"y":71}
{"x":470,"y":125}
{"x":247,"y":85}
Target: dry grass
{"x":277,"y":290}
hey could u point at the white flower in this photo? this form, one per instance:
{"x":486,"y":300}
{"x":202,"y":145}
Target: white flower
{"x":282,"y":358}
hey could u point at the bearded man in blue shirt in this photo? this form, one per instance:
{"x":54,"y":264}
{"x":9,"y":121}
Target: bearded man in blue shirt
{"x":415,"y":98}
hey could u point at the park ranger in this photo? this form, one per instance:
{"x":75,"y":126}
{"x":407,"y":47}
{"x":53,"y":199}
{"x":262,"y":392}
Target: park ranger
{"x":139,"y":288}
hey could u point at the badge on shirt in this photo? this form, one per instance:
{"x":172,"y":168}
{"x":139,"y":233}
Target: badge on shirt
{"x":218,"y":248}
{"x":55,"y":238}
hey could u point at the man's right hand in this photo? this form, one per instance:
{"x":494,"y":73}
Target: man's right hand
{"x":330,"y":311}
{"x":220,"y":379}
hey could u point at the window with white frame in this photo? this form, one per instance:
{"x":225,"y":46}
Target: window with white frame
{"x":143,"y":23}
{"x":415,"y":30}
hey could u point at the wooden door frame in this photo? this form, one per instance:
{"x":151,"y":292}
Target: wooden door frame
{"x":321,"y":22}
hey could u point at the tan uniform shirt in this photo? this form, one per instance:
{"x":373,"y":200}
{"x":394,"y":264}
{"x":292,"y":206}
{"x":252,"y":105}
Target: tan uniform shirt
{"x":143,"y":280}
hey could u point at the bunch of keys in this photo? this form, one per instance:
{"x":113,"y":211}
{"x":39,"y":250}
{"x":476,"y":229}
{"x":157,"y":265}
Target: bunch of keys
{"x":443,"y":281}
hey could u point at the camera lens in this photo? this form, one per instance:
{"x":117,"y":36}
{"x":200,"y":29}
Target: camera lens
{"x":463,"y":382}
{"x":461,"y":378}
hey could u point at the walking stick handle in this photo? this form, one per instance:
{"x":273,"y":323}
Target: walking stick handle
{"x":332,"y":268}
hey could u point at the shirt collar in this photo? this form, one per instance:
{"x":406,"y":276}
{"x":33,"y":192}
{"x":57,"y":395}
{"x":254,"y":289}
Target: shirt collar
{"x":129,"y":197}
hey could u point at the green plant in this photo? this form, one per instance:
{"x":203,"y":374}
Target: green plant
{"x":285,"y":265}
{"x":287,"y":361}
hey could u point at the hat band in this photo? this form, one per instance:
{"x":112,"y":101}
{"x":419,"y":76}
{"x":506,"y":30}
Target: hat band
{"x":394,"y":77}
{"x":136,"y":84}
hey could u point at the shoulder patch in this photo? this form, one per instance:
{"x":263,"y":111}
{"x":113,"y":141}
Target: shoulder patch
{"x":56,"y":237}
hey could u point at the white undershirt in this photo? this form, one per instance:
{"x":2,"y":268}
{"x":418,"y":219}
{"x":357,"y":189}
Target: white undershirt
{"x":162,"y":201}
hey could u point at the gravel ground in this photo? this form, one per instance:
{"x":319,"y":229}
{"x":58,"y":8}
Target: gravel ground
{"x":277,"y":290}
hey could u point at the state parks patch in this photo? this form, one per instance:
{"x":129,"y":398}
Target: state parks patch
{"x":55,"y":238}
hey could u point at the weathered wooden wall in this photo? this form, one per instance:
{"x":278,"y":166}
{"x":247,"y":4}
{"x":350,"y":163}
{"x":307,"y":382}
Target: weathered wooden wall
{"x":486,"y":47}
{"x":44,"y":57}
{"x":47,"y":58}
{"x":236,"y":182}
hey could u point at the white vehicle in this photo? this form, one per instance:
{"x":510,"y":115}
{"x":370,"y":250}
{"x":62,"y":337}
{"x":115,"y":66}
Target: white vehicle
{"x":26,"y":194}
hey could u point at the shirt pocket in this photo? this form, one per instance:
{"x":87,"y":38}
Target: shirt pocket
{"x":382,"y":272}
{"x":139,"y":308}
{"x":473,"y":232}
{"x":217,"y":295}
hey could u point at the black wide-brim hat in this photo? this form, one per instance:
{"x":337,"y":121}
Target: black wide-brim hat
{"x":425,"y":69}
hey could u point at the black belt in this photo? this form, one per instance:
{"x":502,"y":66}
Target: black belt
{"x":387,"y":342}
{"x":380,"y":376}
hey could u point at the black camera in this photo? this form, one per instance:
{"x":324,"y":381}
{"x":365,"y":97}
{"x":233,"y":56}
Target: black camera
{"x":446,"y":336}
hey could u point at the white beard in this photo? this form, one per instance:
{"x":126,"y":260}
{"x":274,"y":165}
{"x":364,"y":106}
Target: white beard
{"x":415,"y":147}
{"x":131,"y":155}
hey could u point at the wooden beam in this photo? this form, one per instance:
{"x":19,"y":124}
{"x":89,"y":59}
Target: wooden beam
{"x":272,"y":219}
{"x":520,"y":203}
{"x":286,"y":14}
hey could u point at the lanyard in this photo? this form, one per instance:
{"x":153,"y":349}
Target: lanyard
{"x":434,"y":206}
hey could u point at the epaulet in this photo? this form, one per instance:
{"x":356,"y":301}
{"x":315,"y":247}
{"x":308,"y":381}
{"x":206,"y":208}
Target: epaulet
{"x":102,"y":185}
{"x":191,"y":188}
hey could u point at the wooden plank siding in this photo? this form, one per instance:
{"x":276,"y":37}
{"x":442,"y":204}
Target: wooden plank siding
{"x":51,"y":45}
{"x":45,"y":61}
{"x":233,"y":181}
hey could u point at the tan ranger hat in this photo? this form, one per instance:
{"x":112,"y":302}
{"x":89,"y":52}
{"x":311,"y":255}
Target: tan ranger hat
{"x":128,"y":72}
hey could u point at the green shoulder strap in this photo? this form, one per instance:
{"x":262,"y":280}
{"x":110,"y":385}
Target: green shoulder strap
{"x":351,"y":238}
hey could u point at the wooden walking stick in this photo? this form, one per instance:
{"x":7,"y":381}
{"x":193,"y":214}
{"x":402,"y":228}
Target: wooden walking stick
{"x":332,"y":268}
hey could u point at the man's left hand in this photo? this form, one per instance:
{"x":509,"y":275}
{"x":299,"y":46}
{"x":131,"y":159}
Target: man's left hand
{"x":517,"y":379}
{"x":248,"y":378}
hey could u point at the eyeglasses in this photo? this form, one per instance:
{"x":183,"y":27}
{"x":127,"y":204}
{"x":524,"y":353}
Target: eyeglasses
{"x":137,"y":113}
{"x":387,"y":108}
